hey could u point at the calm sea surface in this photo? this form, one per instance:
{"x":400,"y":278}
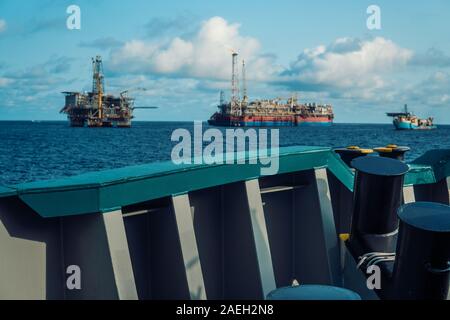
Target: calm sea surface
{"x":31,"y":151}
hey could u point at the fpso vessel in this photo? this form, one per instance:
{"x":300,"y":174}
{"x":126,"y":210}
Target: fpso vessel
{"x":274,"y":112}
{"x":97,"y":109}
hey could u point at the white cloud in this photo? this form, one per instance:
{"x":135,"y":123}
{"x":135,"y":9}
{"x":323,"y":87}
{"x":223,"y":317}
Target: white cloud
{"x":359,"y":65}
{"x":2,"y":25}
{"x":432,"y":91}
{"x":177,"y":56}
{"x":207,"y":54}
{"x":374,"y":71}
{"x":433,"y":57}
{"x":5,"y":82}
{"x":349,"y":63}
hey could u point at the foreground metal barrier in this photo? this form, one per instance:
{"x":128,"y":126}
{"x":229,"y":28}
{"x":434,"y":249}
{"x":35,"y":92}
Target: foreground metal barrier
{"x":162,"y":231}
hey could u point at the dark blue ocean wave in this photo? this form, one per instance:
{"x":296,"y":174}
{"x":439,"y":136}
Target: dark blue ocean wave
{"x":31,"y":151}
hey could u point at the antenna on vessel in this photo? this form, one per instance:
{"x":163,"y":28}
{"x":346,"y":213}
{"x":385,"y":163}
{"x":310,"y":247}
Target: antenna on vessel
{"x":406,"y":108}
{"x":222,"y":98}
{"x":244,"y":83}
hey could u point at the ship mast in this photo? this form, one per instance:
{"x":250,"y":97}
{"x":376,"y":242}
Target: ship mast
{"x":222,"y":98}
{"x":98,"y":83}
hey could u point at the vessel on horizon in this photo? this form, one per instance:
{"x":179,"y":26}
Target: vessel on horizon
{"x":269,"y":112}
{"x":408,"y":121}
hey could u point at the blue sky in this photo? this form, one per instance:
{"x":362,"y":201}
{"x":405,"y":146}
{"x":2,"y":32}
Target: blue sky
{"x":179,"y":51}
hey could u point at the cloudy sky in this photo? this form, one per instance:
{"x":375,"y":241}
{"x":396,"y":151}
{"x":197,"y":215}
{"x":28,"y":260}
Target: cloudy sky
{"x":179,"y":52}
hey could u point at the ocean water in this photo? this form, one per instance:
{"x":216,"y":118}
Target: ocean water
{"x":31,"y":151}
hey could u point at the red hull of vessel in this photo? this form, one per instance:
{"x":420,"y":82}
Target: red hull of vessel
{"x":268,"y":121}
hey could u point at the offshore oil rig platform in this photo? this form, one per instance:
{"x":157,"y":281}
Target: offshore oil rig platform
{"x":269,"y":112}
{"x":97,"y":109}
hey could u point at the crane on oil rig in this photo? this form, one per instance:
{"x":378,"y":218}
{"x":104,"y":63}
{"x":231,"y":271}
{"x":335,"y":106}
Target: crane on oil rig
{"x":124,"y":94}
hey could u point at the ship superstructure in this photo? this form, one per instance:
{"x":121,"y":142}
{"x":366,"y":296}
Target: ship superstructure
{"x":408,"y":121}
{"x":268,"y":112}
{"x":96,"y":108}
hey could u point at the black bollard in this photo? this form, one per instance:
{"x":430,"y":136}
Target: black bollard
{"x":377,"y":195}
{"x":422,"y":269}
{"x":350,"y":153}
{"x":393,"y":151}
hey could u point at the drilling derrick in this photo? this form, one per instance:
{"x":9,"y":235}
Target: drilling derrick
{"x":235,"y":100}
{"x":98,"y":84}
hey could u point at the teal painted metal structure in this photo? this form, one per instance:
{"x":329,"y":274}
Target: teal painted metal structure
{"x":107,"y":190}
{"x":6,"y":192}
{"x":434,"y":166}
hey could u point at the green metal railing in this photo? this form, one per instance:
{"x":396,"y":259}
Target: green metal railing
{"x":106,"y":190}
